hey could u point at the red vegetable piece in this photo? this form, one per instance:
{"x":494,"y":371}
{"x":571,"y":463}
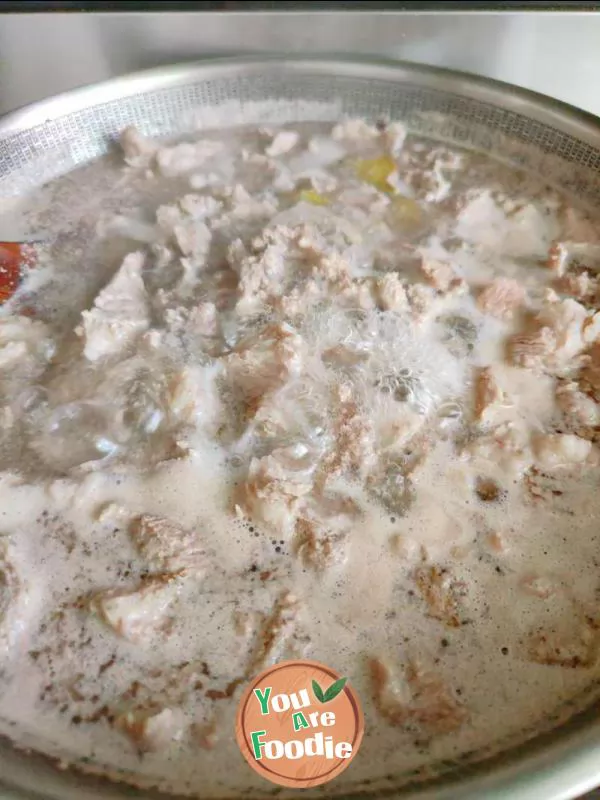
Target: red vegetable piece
{"x":14,"y":257}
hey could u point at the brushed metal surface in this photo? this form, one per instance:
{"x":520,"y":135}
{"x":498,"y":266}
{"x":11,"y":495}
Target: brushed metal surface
{"x":552,"y":53}
{"x":517,"y":125}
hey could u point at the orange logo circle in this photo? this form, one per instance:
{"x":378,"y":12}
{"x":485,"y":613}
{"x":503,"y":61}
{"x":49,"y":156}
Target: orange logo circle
{"x":299,"y":724}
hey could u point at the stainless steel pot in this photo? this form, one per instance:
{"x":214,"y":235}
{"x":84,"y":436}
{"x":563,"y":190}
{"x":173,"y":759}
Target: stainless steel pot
{"x":52,"y":137}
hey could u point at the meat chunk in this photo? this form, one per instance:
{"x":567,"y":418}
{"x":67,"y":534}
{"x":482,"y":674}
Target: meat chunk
{"x":441,"y":275}
{"x":265,"y":362}
{"x":151,"y":730}
{"x":120,"y":313}
{"x":246,"y":214}
{"x":200,"y":206}
{"x":580,"y":411}
{"x":558,"y":259}
{"x":555,"y":451}
{"x":574,"y":648}
{"x":199,"y":321}
{"x":495,"y":224}
{"x":206,"y":734}
{"x":353,"y":449}
{"x":442,"y":594}
{"x":580,"y":286}
{"x":422,"y":300}
{"x":321,"y":529}
{"x":26,"y":346}
{"x":203,"y":319}
{"x":267,"y":266}
{"x":282,"y":143}
{"x":10,"y":594}
{"x":334,"y":269}
{"x":136,"y":614}
{"x":532,"y":350}
{"x":501,"y":298}
{"x":507,"y":446}
{"x":391,"y":485}
{"x":166,"y":546}
{"x":194,"y":240}
{"x":274,"y":634}
{"x":391,"y":294}
{"x":487,"y":393}
{"x":496,"y":543}
{"x":354,"y":130}
{"x":564,"y":256}
{"x":193,"y":398}
{"x":557,"y":337}
{"x":244,"y":623}
{"x":299,"y":300}
{"x":342,"y":357}
{"x":318,"y":548}
{"x":184,"y":225}
{"x":589,"y":377}
{"x":579,"y":225}
{"x":186,"y":157}
{"x":274,"y":486}
{"x":359,"y":294}
{"x":487,"y":490}
{"x":138,"y":150}
{"x":420,"y":698}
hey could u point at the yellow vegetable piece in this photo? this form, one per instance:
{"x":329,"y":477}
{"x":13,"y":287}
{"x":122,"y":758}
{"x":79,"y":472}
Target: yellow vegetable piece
{"x":310,"y":196}
{"x":376,"y":171}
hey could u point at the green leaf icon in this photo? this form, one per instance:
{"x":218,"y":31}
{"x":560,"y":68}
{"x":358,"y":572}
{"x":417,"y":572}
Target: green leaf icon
{"x":331,"y":693}
{"x":318,"y":692}
{"x":334,"y":689}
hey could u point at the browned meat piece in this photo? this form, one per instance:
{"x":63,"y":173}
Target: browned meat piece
{"x":353,"y":446}
{"x":274,"y":487}
{"x":10,"y":586}
{"x":495,"y":543}
{"x":206,"y":734}
{"x":420,"y":698}
{"x":556,"y":450}
{"x":138,"y":613}
{"x":564,"y":256}
{"x":581,"y":413}
{"x":589,"y":378}
{"x":441,"y":275}
{"x":150,"y":730}
{"x":530,"y":349}
{"x":316,"y":547}
{"x":391,"y":293}
{"x":441,"y":593}
{"x":487,"y":490}
{"x":166,"y":546}
{"x":501,"y":298}
{"x":557,"y":337}
{"x":577,"y":647}
{"x":487,"y":393}
{"x":13,"y":600}
{"x":340,"y":356}
{"x":266,"y":361}
{"x":580,"y":286}
{"x":274,"y":634}
{"x":558,"y":258}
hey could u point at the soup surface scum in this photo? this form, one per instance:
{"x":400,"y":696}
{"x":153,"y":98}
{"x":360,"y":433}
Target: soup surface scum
{"x":321,"y":391}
